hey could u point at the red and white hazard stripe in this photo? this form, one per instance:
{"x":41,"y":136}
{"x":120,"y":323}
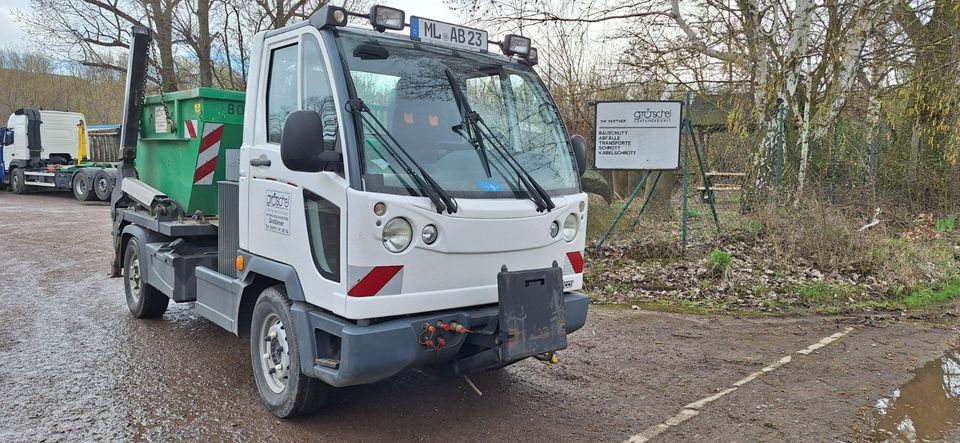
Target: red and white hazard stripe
{"x":209,"y":149}
{"x":190,"y":128}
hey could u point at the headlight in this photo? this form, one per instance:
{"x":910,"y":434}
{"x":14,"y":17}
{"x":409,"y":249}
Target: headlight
{"x":397,"y":235}
{"x":571,"y":225}
{"x":429,"y":234}
{"x":554,"y":229}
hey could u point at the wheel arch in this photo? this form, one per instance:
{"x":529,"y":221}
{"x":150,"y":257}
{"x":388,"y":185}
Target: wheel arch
{"x":143,"y":236}
{"x":260,"y":273}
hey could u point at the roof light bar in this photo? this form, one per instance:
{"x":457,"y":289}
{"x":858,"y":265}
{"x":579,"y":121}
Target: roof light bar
{"x":515,"y":45}
{"x":329,"y":16}
{"x":383,"y":18}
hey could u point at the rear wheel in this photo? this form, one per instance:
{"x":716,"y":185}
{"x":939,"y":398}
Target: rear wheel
{"x":81,"y":187}
{"x":143,"y":300}
{"x":275,"y":357}
{"x":17,"y":181}
{"x":102,"y":185}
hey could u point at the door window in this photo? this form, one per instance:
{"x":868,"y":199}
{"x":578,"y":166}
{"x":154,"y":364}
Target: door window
{"x":317,"y":92}
{"x":281,"y":90}
{"x":323,"y":227}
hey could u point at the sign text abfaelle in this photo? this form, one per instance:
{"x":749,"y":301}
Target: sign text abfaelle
{"x":638,"y":135}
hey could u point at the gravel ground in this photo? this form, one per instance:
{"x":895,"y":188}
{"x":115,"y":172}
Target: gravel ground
{"x":74,"y":365}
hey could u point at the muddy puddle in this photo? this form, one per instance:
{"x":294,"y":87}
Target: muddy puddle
{"x":927,"y":408}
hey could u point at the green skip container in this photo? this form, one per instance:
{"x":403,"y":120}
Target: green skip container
{"x":190,"y":140}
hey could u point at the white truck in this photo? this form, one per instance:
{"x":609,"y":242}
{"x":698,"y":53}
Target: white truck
{"x":48,"y":150}
{"x":397,"y":201}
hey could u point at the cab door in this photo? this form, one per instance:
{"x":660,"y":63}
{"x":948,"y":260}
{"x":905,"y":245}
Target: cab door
{"x":298,"y":218}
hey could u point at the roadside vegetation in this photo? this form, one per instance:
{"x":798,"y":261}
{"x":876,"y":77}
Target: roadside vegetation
{"x":807,"y":260}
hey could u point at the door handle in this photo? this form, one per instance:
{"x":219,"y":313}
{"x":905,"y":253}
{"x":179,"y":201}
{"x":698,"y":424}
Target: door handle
{"x":260,"y":162}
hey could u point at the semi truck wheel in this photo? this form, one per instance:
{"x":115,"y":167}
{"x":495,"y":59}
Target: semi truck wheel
{"x":275,"y":358}
{"x":81,"y":187}
{"x":143,"y":300}
{"x":102,"y":185}
{"x":17,"y":181}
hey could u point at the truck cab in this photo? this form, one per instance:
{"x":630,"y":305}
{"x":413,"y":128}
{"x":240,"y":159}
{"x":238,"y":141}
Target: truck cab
{"x":400,"y":201}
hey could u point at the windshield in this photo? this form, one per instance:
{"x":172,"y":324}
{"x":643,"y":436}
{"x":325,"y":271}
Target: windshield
{"x":406,"y":86}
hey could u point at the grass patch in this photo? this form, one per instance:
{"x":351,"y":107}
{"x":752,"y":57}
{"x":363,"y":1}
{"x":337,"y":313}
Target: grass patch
{"x":719,"y":262}
{"x":823,"y":293}
{"x":927,"y":296}
{"x":945,"y":224}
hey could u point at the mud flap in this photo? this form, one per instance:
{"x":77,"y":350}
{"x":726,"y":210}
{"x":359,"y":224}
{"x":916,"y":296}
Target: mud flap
{"x":532,"y":319}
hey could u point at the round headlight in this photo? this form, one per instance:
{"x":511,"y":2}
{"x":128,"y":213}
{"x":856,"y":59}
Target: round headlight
{"x":397,"y":234}
{"x":379,"y":209}
{"x":554,"y":229}
{"x":429,"y":234}
{"x":571,"y":225}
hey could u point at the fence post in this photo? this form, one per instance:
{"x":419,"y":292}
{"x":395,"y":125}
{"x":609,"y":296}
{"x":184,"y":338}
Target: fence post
{"x":686,"y":181}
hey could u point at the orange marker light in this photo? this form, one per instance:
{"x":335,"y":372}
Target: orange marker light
{"x":240,"y":263}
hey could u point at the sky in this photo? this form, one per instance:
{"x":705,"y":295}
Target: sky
{"x":12,"y":36}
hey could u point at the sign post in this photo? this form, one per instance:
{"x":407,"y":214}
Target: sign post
{"x":637,"y":135}
{"x":646,"y":135}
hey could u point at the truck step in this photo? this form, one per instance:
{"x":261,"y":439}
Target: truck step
{"x":331,"y":363}
{"x":44,"y":184}
{"x":38,"y":174}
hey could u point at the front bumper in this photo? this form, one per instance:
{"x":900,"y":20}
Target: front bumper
{"x":371,"y":353}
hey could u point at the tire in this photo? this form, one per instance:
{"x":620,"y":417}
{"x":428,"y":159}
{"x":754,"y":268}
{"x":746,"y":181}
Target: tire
{"x":143,"y":300}
{"x":17,"y":181}
{"x":102,"y":185}
{"x":285,"y":392}
{"x":81,"y":187}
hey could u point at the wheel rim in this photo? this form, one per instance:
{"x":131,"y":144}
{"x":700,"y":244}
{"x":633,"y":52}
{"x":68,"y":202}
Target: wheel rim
{"x":135,"y":280}
{"x":79,"y":186}
{"x":15,"y":181}
{"x":273,"y":353}
{"x":102,"y":186}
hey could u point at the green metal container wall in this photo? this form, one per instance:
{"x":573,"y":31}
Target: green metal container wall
{"x":187,"y":155}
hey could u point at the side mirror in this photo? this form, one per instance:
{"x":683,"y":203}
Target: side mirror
{"x":301,"y":143}
{"x":580,"y":152}
{"x":7,"y":136}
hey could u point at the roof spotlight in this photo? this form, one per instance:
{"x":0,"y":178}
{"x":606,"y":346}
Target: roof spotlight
{"x":329,"y":16}
{"x":532,"y":57}
{"x":515,"y":45}
{"x":383,"y":18}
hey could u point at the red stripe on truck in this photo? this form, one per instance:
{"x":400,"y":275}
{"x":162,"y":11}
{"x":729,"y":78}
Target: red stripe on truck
{"x":576,"y":260}
{"x":374,"y":281}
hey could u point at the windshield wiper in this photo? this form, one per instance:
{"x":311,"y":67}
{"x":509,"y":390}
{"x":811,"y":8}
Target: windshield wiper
{"x":537,"y":193}
{"x":539,"y":196}
{"x":468,"y":121}
{"x":425,"y":183}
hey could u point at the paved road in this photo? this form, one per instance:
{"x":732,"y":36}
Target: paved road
{"x":74,"y":365}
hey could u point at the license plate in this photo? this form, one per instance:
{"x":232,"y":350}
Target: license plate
{"x":448,"y":34}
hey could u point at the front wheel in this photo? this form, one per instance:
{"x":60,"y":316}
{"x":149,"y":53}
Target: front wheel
{"x":143,"y":300}
{"x":275,"y":358}
{"x":17,"y":181}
